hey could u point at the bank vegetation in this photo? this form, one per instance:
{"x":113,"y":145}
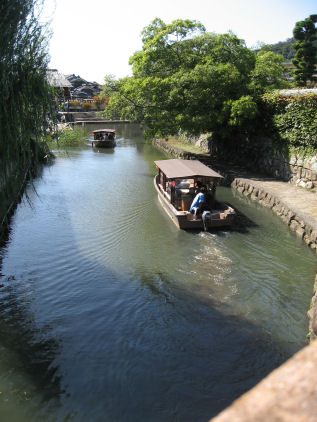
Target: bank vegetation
{"x":188,"y":81}
{"x":25,"y":101}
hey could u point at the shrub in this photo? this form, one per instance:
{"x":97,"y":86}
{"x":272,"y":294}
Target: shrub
{"x":294,"y":119}
{"x":69,"y":137}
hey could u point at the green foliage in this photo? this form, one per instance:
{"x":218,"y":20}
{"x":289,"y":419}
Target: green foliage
{"x":242,"y":111}
{"x":294,"y":119}
{"x":305,"y":33}
{"x":25,"y":101}
{"x":69,"y":137}
{"x":268,"y":73}
{"x":187,"y":79}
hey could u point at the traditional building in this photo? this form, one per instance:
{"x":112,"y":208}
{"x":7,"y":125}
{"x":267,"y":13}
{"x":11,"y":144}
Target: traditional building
{"x":59,"y":82}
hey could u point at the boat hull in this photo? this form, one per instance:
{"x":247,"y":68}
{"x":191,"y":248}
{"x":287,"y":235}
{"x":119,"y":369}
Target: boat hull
{"x":104,"y":144}
{"x":184,"y":220}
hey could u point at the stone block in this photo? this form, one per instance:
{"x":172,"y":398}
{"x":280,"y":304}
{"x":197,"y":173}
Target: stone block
{"x":314,"y":167}
{"x":308,"y":240}
{"x":294,"y":225}
{"x":292,"y":160}
{"x":300,"y":162}
{"x":250,"y":189}
{"x":261,"y":194}
{"x":314,"y":322}
{"x":291,"y":215}
{"x":277,"y":208}
{"x":300,"y":232}
{"x":314,"y":236}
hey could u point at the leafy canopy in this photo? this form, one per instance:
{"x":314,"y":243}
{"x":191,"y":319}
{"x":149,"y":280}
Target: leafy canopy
{"x":187,"y":79}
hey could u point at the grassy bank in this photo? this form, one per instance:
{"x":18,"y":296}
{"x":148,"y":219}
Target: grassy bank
{"x":68,"y":137}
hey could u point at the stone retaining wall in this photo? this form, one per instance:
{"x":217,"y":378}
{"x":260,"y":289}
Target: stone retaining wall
{"x":174,"y":152}
{"x":295,"y":169}
{"x":296,"y":223}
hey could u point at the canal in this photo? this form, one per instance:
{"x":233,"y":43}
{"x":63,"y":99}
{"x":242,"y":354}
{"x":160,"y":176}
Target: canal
{"x":109,"y":313}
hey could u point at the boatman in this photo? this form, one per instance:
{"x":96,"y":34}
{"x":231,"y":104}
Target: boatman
{"x":198,"y":202}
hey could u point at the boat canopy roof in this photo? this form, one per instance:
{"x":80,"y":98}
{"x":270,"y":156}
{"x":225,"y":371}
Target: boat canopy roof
{"x":104,"y":130}
{"x":178,"y":168}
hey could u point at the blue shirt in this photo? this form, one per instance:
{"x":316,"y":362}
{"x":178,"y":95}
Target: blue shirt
{"x":199,"y":199}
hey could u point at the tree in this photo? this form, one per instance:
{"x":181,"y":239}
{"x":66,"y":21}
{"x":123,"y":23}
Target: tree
{"x":186,"y":79}
{"x":268,"y":73}
{"x":25,"y":100}
{"x":305,"y":33}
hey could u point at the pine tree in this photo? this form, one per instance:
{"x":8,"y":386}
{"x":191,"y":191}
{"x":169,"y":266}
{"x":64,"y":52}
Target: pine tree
{"x":305,"y":33}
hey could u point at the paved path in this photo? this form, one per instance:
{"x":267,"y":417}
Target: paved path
{"x":301,"y":201}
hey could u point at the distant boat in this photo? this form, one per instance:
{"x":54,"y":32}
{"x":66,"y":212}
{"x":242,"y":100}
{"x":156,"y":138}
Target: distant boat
{"x":104,"y":138}
{"x":176,"y":184}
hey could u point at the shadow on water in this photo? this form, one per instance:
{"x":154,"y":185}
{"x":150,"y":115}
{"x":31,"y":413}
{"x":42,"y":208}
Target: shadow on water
{"x":199,"y":370}
{"x":242,"y":223}
{"x":89,"y":339}
{"x":170,"y":356}
{"x":28,"y":381}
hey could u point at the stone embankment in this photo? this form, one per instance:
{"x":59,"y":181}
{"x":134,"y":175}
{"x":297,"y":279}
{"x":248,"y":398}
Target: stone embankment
{"x":295,"y":169}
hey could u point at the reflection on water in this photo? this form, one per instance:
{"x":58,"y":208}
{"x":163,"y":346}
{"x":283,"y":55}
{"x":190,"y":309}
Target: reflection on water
{"x":111,"y":313}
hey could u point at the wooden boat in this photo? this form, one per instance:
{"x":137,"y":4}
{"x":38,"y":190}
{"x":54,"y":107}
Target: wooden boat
{"x":176,"y":184}
{"x":104,"y":138}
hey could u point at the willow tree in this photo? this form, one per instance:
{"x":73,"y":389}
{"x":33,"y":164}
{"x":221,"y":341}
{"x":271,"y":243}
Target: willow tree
{"x":25,"y":95}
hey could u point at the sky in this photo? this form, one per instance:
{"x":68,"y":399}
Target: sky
{"x":95,"y":38}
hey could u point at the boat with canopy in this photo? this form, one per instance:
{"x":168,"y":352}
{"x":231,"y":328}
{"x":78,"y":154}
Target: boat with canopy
{"x":104,"y":138}
{"x":177,"y":183}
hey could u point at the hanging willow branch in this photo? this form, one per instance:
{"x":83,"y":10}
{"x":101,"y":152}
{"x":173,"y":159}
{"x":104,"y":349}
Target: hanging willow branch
{"x":25,"y":100}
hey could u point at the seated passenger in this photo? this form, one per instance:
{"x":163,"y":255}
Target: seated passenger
{"x":197,"y":187}
{"x":198,"y":202}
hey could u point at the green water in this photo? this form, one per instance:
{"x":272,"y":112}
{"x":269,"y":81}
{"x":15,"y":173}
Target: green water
{"x":109,"y":313}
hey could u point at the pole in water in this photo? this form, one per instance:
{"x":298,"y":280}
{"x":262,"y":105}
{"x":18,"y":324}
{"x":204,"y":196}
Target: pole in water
{"x":206,"y":217}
